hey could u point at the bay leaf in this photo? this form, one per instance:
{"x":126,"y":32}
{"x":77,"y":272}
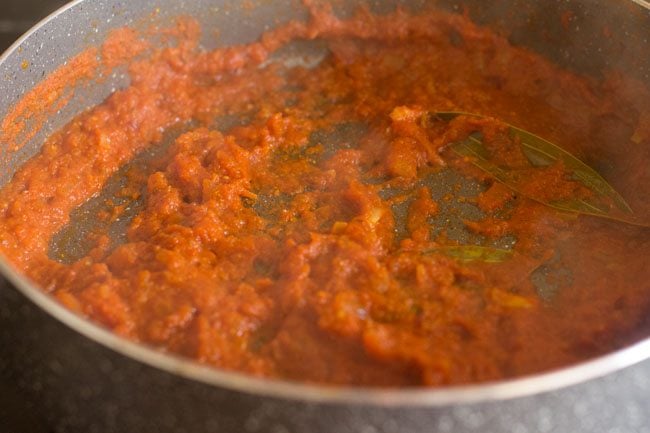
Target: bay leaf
{"x":472,"y":253}
{"x":604,"y":201}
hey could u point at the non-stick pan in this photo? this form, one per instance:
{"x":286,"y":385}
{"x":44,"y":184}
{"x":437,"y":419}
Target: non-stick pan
{"x":82,"y":378}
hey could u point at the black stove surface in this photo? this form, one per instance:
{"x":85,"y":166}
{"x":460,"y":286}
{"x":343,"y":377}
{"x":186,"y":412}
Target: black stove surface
{"x":18,"y":16}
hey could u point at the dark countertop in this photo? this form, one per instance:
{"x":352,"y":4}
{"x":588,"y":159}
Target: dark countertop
{"x":16,"y":415}
{"x":18,"y":16}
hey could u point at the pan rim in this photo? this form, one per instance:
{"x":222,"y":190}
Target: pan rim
{"x":186,"y":368}
{"x":189,"y":369}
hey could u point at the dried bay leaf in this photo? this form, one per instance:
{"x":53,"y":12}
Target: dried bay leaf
{"x":472,"y":253}
{"x":602,"y":201}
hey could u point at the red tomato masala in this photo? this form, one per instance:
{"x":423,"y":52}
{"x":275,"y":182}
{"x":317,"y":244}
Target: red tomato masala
{"x":297,"y":225}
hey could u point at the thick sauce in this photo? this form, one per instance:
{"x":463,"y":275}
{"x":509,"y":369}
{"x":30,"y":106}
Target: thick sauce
{"x":307,"y":242}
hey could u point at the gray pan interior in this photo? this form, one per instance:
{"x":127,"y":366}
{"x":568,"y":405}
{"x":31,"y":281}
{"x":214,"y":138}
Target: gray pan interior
{"x":527,"y":22}
{"x":237,"y":26}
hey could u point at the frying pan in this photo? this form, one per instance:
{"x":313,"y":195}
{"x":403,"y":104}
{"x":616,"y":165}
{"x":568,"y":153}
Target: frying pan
{"x":82,"y":378}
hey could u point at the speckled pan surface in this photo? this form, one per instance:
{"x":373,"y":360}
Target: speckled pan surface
{"x":96,"y":382}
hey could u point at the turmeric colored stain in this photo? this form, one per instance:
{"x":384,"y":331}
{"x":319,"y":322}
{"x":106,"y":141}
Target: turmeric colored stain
{"x":566,"y":18}
{"x":303,"y":243}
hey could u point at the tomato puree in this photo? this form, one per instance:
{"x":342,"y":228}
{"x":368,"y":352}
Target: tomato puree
{"x":299,"y":225}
